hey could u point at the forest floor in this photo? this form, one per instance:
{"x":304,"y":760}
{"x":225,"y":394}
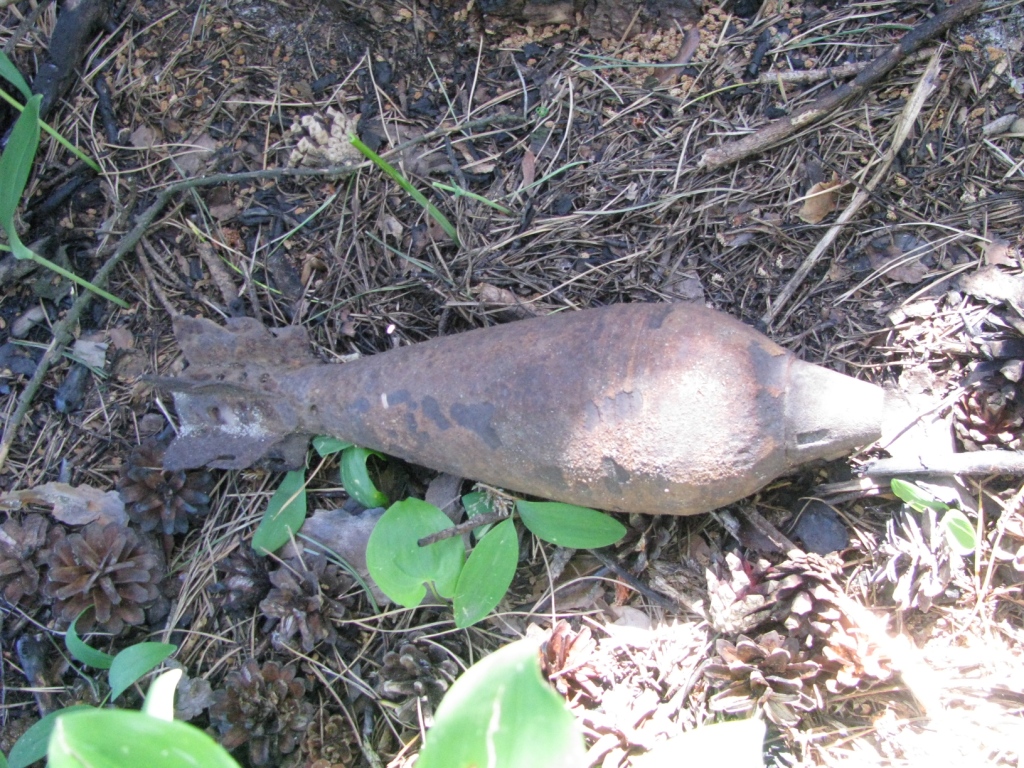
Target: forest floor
{"x":590,"y":185}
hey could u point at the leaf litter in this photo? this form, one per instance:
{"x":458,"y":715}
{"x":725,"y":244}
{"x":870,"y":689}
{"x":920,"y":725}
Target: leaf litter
{"x":598,"y":166}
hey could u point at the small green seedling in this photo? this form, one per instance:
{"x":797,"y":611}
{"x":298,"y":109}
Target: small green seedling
{"x":960,"y":532}
{"x":501,"y":713}
{"x":403,"y":569}
{"x":285,"y":514}
{"x":125,"y":669}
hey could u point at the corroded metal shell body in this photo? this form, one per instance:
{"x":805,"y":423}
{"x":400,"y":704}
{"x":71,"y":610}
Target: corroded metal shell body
{"x":654,"y":408}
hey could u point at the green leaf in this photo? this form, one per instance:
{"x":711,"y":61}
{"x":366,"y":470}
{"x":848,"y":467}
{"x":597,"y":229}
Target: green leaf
{"x":85,"y":653}
{"x":16,"y":162}
{"x":159,"y":701}
{"x":418,"y":196}
{"x":325,"y":445}
{"x":118,"y":738}
{"x":10,"y":73}
{"x":570,"y":526}
{"x":356,"y":477}
{"x":3,"y":760}
{"x":502,"y":714}
{"x":916,"y":497}
{"x":135,"y":661}
{"x":959,"y":532}
{"x":284,"y":516}
{"x":478,"y":503}
{"x":31,"y":745}
{"x":400,"y":566}
{"x":487,"y":574}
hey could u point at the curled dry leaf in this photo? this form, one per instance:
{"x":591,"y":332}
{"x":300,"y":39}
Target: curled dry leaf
{"x":821,"y":200}
{"x":72,"y":505}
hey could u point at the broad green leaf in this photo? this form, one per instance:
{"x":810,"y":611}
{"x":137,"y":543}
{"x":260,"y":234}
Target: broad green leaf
{"x":159,"y":701}
{"x":400,"y":566}
{"x":960,"y":532}
{"x":120,"y":738}
{"x":487,"y":574}
{"x":570,"y":526}
{"x":325,"y":445}
{"x":135,"y":661}
{"x":16,"y":162}
{"x":284,"y":516}
{"x":502,"y":714}
{"x":478,"y":503}
{"x":356,"y":477}
{"x":85,"y":653}
{"x":10,"y":73}
{"x":31,"y":745}
{"x":916,"y":497}
{"x":3,"y":761}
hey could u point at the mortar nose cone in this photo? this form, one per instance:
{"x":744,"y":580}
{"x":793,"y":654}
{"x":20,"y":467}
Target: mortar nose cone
{"x":829,"y":414}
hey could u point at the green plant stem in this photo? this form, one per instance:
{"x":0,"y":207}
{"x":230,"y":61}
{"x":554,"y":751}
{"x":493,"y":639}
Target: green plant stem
{"x":60,"y":139}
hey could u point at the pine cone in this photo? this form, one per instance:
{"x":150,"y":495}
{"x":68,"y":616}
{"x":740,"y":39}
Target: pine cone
{"x":566,"y":662}
{"x":416,"y":673}
{"x":919,"y":560}
{"x":328,"y":743}
{"x":304,"y":602}
{"x":245,"y":581}
{"x":989,"y":417}
{"x":804,"y":597}
{"x":20,"y":549}
{"x":264,"y":707}
{"x":767,"y":673}
{"x":108,"y":569}
{"x":159,"y":500}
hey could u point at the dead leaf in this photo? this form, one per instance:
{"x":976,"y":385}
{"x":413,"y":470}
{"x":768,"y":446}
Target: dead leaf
{"x":342,"y":534}
{"x":445,"y":493}
{"x":145,"y":137}
{"x":529,"y":166}
{"x":90,"y":353}
{"x":196,"y":152}
{"x":72,"y":505}
{"x":821,"y":200}
{"x":994,"y":285}
{"x":121,"y":338}
{"x":1000,"y":253}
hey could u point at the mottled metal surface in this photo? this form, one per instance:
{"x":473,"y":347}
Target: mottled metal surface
{"x":654,"y":408}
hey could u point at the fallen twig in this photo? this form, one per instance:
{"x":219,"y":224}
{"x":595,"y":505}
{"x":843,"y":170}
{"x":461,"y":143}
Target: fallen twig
{"x":783,"y":128}
{"x":975,"y":463}
{"x":922,"y":91}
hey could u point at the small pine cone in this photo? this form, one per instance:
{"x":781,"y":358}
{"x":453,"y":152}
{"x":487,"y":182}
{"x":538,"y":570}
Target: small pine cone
{"x":416,"y":673}
{"x":109,"y":570}
{"x":303,"y":601}
{"x":245,"y":581}
{"x":848,"y":659}
{"x":990,"y":416}
{"x":919,"y":560}
{"x":158,"y":500}
{"x":264,"y":707}
{"x":328,"y":743}
{"x":804,"y":597}
{"x":20,"y":548}
{"x":567,"y":662}
{"x":767,"y":673}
